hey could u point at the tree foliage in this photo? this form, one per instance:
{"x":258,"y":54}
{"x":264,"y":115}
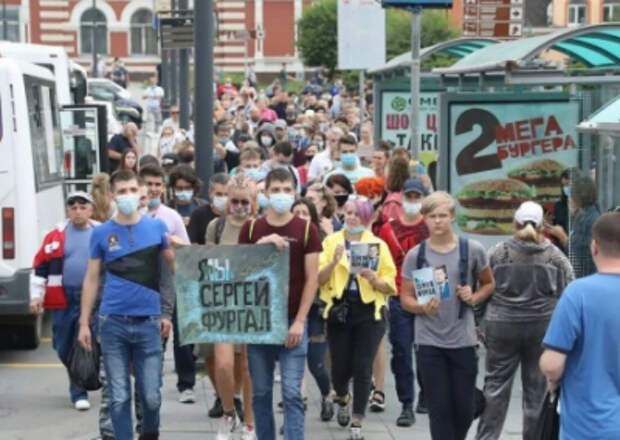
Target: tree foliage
{"x":317,"y":38}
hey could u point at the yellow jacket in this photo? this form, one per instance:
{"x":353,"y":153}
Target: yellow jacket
{"x":335,"y":285}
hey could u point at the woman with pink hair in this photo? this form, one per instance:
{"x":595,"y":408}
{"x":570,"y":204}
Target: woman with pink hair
{"x":356,"y":306}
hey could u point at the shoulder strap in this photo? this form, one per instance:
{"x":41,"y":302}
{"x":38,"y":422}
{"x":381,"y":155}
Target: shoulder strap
{"x":421,"y":260}
{"x":219,"y":228}
{"x":306,"y":233}
{"x":463,"y":260}
{"x":391,"y":225}
{"x":251,"y":229}
{"x":292,"y":171}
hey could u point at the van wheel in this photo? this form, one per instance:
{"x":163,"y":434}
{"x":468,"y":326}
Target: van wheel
{"x":31,"y":332}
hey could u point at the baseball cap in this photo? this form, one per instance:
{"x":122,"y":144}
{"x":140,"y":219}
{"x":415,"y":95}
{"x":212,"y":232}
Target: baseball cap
{"x":529,"y":212}
{"x":414,"y":185}
{"x":169,"y":159}
{"x":75,"y":196}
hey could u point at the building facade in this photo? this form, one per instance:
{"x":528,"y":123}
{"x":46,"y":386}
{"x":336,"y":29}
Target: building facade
{"x":256,"y":33}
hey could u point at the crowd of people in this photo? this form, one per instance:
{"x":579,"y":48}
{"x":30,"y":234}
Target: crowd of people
{"x":302,"y":172}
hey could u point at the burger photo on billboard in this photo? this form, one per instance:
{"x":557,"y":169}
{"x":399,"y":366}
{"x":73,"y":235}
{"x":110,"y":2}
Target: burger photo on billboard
{"x":488,"y":206}
{"x":545,"y":175}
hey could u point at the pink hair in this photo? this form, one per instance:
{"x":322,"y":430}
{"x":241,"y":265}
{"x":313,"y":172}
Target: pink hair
{"x":364,"y":209}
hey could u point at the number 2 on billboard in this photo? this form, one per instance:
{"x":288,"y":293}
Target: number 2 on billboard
{"x":466,"y":161}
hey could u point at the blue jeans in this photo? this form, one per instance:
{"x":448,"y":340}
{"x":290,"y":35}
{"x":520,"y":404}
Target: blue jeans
{"x":64,"y":333}
{"x":136,"y":341}
{"x":317,"y":350}
{"x":262,"y":360}
{"x":401,"y":336}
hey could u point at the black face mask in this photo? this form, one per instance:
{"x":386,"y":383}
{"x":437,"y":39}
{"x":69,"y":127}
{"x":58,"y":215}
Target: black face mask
{"x":341,"y":199}
{"x":309,"y":157}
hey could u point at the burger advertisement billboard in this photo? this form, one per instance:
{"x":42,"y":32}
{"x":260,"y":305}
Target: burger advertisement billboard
{"x":503,"y":153}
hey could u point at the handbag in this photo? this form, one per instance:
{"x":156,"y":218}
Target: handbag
{"x":339,"y":313}
{"x":548,"y":426}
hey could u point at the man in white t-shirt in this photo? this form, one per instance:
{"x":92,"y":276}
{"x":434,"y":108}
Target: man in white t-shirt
{"x":153,"y":95}
{"x":324,"y":161}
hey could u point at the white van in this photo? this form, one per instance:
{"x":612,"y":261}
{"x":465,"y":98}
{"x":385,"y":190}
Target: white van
{"x":31,"y":184}
{"x":69,"y":76}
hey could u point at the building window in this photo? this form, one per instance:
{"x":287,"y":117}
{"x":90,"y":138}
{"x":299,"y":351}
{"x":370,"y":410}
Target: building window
{"x":611,"y":12}
{"x":93,"y":23}
{"x":576,"y":15}
{"x":143,"y":37}
{"x":12,"y":24}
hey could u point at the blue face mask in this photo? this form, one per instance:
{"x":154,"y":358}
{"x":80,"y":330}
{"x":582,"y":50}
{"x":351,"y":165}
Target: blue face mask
{"x":337,"y":164}
{"x":355,"y":230}
{"x":263,"y":201}
{"x":154,"y":203}
{"x":224,"y":141}
{"x":281,"y":203}
{"x":255,"y":174}
{"x":566,"y":190}
{"x":128,"y":203}
{"x":348,"y":159}
{"x":184,"y":196}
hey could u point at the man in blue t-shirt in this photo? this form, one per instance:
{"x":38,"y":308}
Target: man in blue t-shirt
{"x":129,"y":248}
{"x":582,"y":345}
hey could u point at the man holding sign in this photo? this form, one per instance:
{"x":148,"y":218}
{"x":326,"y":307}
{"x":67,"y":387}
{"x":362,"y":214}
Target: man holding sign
{"x":282,"y":229}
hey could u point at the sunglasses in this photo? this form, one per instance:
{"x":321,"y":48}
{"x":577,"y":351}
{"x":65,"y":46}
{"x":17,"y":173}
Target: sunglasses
{"x":242,"y":202}
{"x":72,"y":203}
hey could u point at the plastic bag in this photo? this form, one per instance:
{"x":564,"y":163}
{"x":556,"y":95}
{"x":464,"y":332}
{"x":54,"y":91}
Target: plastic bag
{"x":548,"y":426}
{"x":84,"y":367}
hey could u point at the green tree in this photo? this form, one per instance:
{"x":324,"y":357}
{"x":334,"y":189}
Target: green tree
{"x":436,"y":27}
{"x":317,"y":38}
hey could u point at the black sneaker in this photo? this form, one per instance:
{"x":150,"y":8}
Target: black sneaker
{"x":218,"y":410}
{"x":327,"y":409}
{"x":239,"y":408}
{"x":421,"y":407}
{"x":406,"y":418}
{"x":377,"y":402}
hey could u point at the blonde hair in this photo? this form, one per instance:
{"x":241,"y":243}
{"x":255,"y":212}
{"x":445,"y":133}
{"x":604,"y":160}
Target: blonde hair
{"x":528,"y":232}
{"x":437,"y":199}
{"x":102,"y":197}
{"x":241,"y":182}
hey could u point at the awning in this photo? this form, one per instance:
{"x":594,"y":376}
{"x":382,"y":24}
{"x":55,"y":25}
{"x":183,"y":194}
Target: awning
{"x":597,"y":46}
{"x":605,"y":120}
{"x":460,"y":47}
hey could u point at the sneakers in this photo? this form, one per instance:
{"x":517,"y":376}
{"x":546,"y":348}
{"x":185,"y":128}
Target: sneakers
{"x":344,"y":415}
{"x":327,"y":409}
{"x":228,"y":425}
{"x":239,"y":408}
{"x":248,"y":433}
{"x":217,"y":410}
{"x":187,"y":396}
{"x":406,"y":418}
{"x":377,"y":401}
{"x":355,"y":433}
{"x":82,"y":405}
{"x":421,"y":407}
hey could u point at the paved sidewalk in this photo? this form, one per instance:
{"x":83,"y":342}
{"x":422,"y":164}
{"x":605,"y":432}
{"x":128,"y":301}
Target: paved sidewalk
{"x":190,"y":422}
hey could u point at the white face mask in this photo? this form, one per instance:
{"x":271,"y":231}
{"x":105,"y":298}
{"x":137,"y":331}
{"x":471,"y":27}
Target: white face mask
{"x":220,"y":203}
{"x":412,"y":208}
{"x":266,"y":141}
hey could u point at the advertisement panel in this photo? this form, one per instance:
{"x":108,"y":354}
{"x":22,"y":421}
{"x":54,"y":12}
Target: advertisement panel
{"x":504,"y":153}
{"x":396,"y":115}
{"x":361,"y":30}
{"x":236,"y":294}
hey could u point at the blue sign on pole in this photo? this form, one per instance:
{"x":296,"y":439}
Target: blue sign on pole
{"x":411,"y":4}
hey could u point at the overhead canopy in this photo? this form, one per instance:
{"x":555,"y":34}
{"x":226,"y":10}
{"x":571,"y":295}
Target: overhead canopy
{"x":605,"y":120}
{"x":597,"y":46}
{"x":460,"y":47}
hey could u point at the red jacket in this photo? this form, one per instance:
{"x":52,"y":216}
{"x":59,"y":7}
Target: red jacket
{"x":46,"y":277}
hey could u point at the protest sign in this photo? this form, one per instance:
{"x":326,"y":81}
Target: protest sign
{"x":236,"y":294}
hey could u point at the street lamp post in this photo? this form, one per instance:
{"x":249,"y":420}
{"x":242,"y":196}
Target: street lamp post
{"x":5,"y":32}
{"x":94,"y":39}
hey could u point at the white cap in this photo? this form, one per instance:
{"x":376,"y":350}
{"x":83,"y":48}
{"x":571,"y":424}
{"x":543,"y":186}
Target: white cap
{"x":529,"y":212}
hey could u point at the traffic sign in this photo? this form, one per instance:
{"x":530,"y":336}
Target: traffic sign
{"x":177,"y":32}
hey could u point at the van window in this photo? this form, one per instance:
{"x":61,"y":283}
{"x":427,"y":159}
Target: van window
{"x":44,"y":133}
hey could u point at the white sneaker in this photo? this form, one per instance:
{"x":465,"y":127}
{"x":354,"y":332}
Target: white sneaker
{"x":187,"y":396}
{"x":82,"y":405}
{"x":355,"y":433}
{"x":228,"y":425}
{"x":248,"y":433}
